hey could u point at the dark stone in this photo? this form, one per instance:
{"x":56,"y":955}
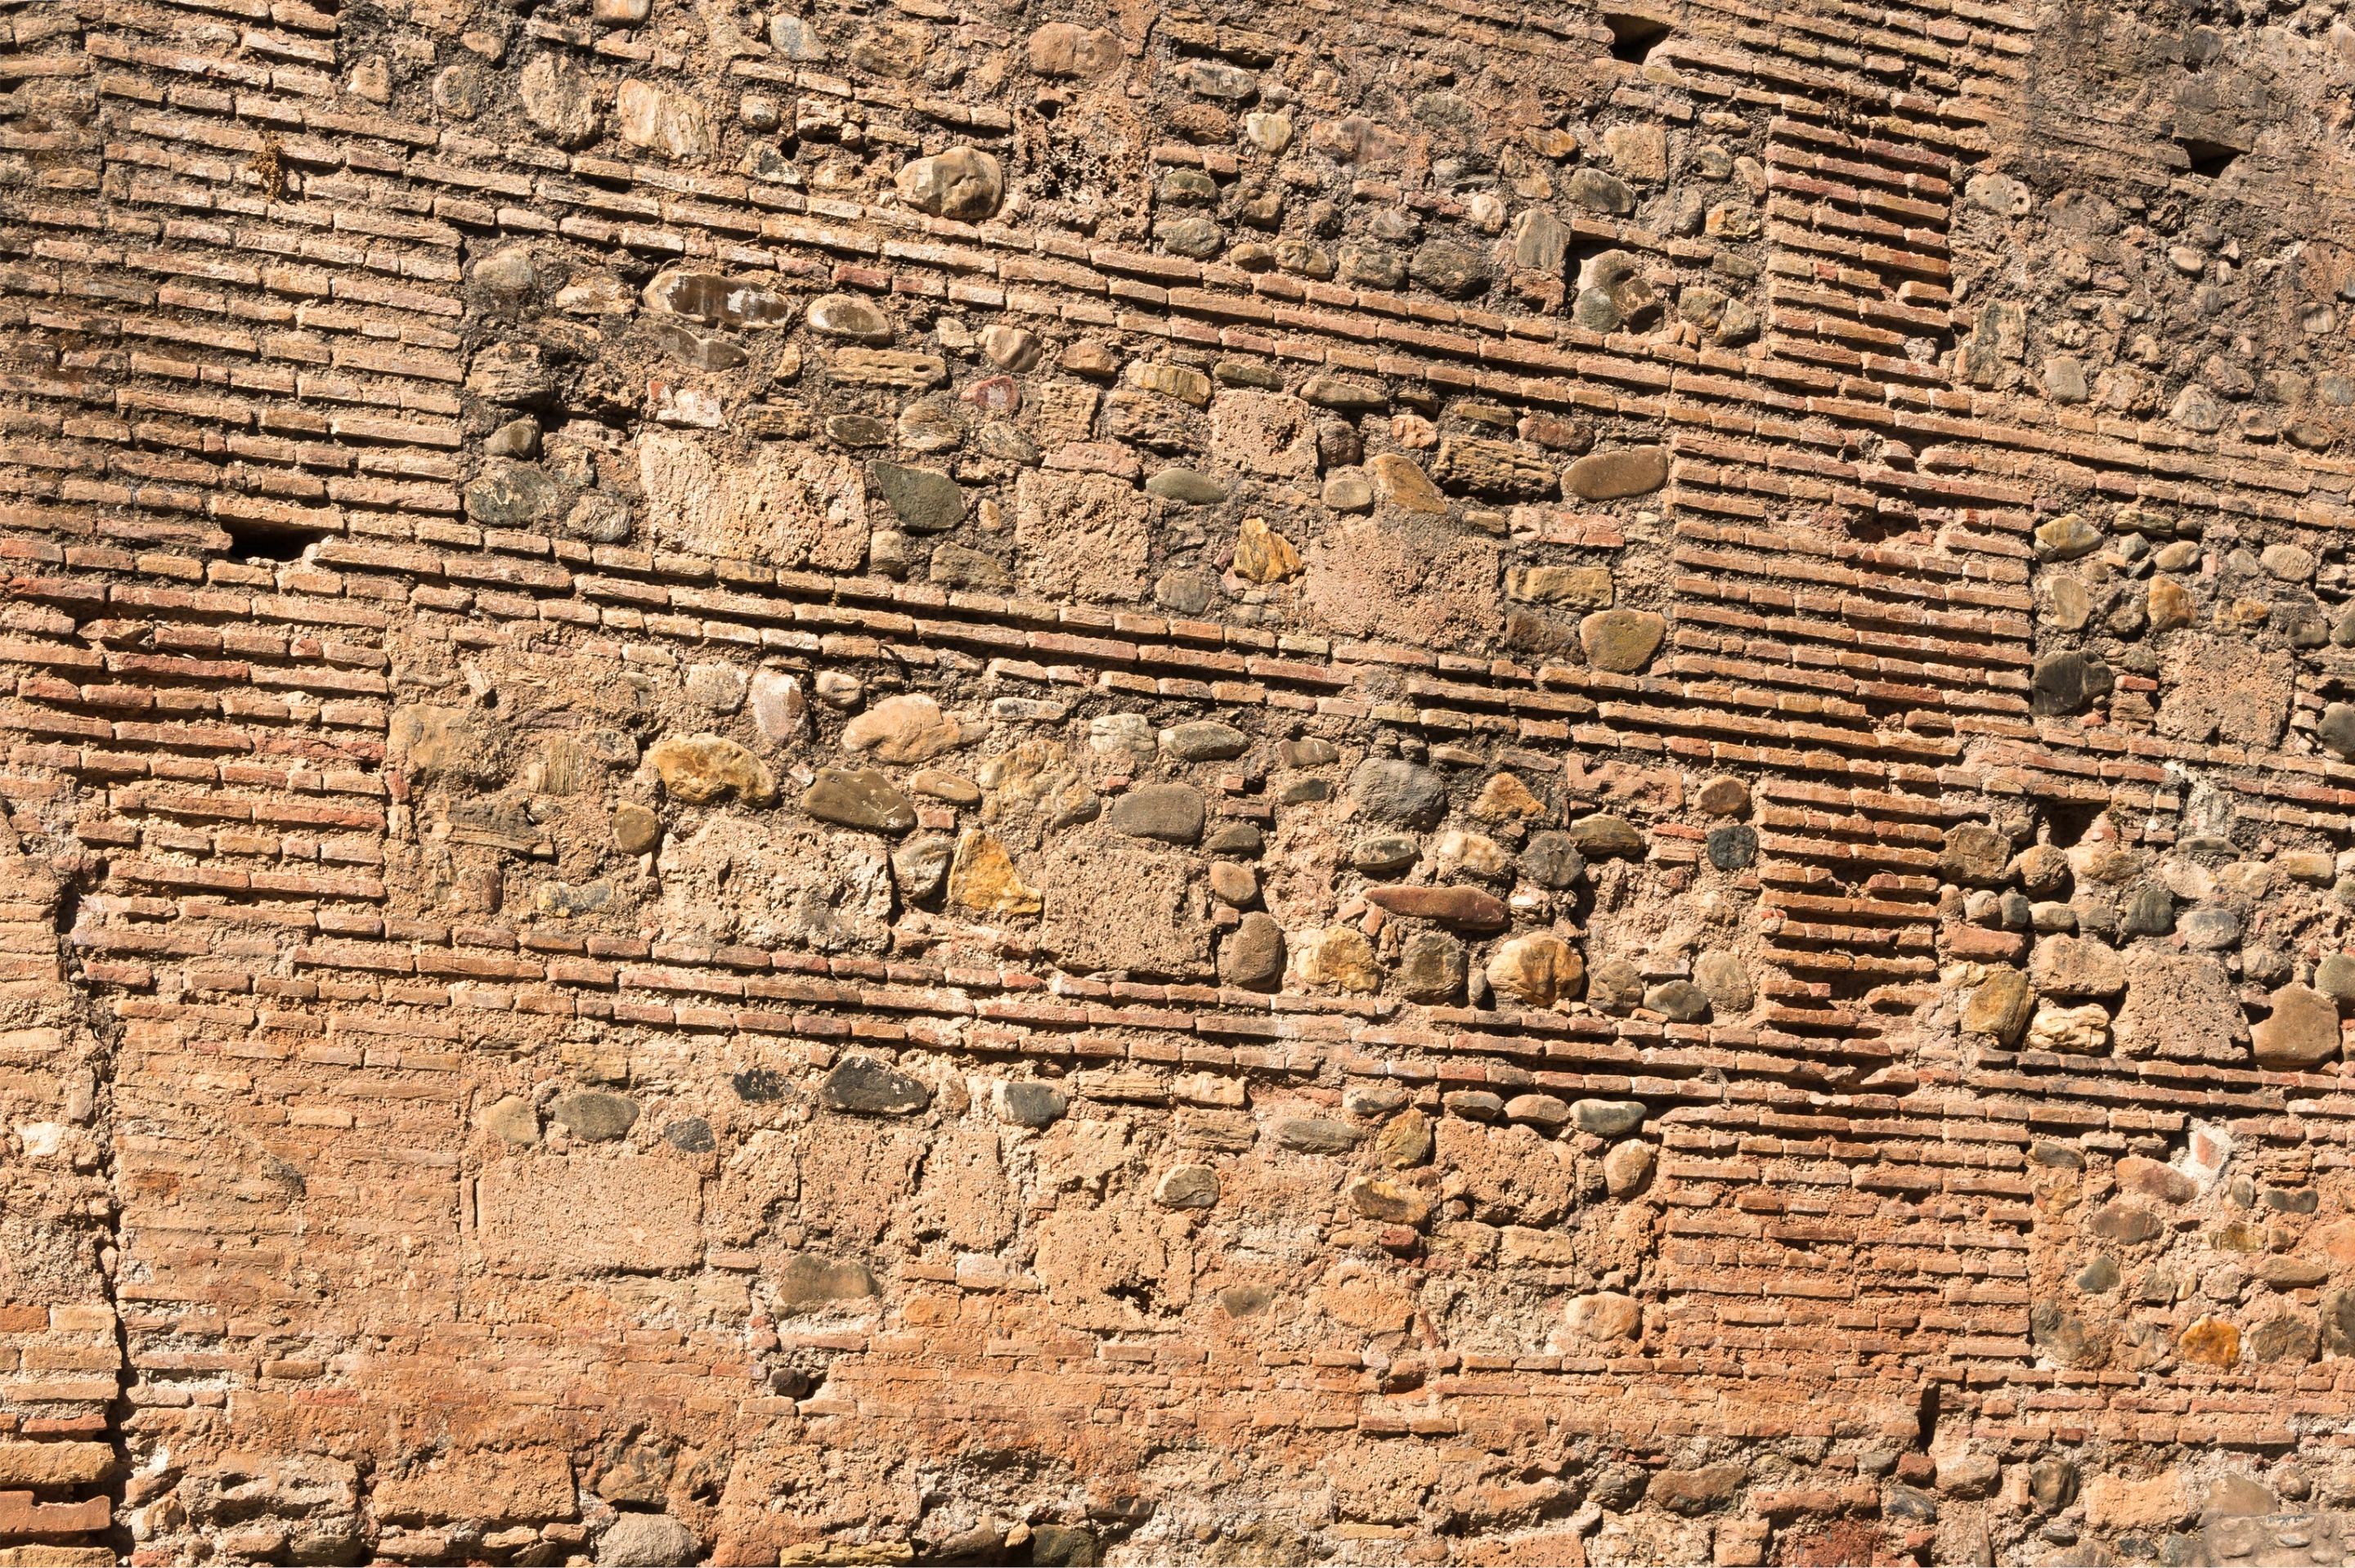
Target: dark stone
{"x":759,"y":1085}
{"x":691,"y":1134}
{"x":1198,"y":238}
{"x":1898,"y":1500}
{"x":2286,"y":1338}
{"x":2299,"y":1201}
{"x":1170,"y":813}
{"x":1451,"y":270}
{"x":864,"y":1083}
{"x":2336,"y":728}
{"x":1388,"y":790}
{"x":1619,"y":1487}
{"x":1065,"y":1546}
{"x":923,"y":502}
{"x":1550,"y":860}
{"x":2150,"y":913}
{"x":2067,"y":684}
{"x":2052,"y":1484}
{"x":1733,"y":847}
{"x":1028,"y":1104}
{"x":2059,"y":1156}
{"x":857,"y":431}
{"x":1244,"y":1300}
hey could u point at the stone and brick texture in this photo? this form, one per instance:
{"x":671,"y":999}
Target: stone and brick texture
{"x":1417,"y":783}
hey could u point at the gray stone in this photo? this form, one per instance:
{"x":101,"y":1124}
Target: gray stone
{"x":1679,"y":1001}
{"x":1474,"y":1105}
{"x":864,"y":1085}
{"x":964,"y":184}
{"x":1388,"y":790}
{"x":1023,"y":1103}
{"x":1170,"y":812}
{"x":1900,"y":1501}
{"x":849,"y":317}
{"x":2301,"y":1032}
{"x":1196,"y":237}
{"x":794,"y":39}
{"x":1187,"y":1187}
{"x":1612,"y":476}
{"x":1432,"y":967}
{"x":1252,"y":957}
{"x":1187,"y":487}
{"x":2100,"y":1277}
{"x":594,"y":1117}
{"x":1312,"y":1135}
{"x":1606,"y":837}
{"x":1215,"y":78}
{"x":810,"y":1280}
{"x":689,"y":1135}
{"x":923,"y":502}
{"x":512,"y":495}
{"x":646,"y":1541}
{"x":1608,"y":1118}
{"x":1204,"y":740}
{"x":1547,"y":1112}
{"x":921,"y":865}
{"x":2334,"y":977}
{"x":2209,"y":930}
{"x":1614,"y":985}
{"x":858,"y":798}
{"x":1384,"y":853}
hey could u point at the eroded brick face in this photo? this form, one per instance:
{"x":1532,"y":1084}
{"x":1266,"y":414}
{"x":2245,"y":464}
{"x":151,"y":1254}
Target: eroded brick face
{"x":1272,"y":783}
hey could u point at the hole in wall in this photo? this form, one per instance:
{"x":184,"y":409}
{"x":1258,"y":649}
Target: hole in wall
{"x":1632,"y":37}
{"x":256,"y":541}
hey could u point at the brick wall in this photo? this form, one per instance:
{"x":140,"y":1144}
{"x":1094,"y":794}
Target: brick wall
{"x":1265,"y":783}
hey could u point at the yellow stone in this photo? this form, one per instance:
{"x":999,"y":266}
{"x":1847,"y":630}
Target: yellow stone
{"x":2212,"y":1341}
{"x":1400,"y":482}
{"x":1537,"y":968}
{"x":1263,"y":556}
{"x":1507,"y":797}
{"x":2171,"y":605}
{"x":1338,"y":956}
{"x":981,"y":878}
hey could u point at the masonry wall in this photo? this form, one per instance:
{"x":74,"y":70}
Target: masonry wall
{"x":1395,"y":784}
